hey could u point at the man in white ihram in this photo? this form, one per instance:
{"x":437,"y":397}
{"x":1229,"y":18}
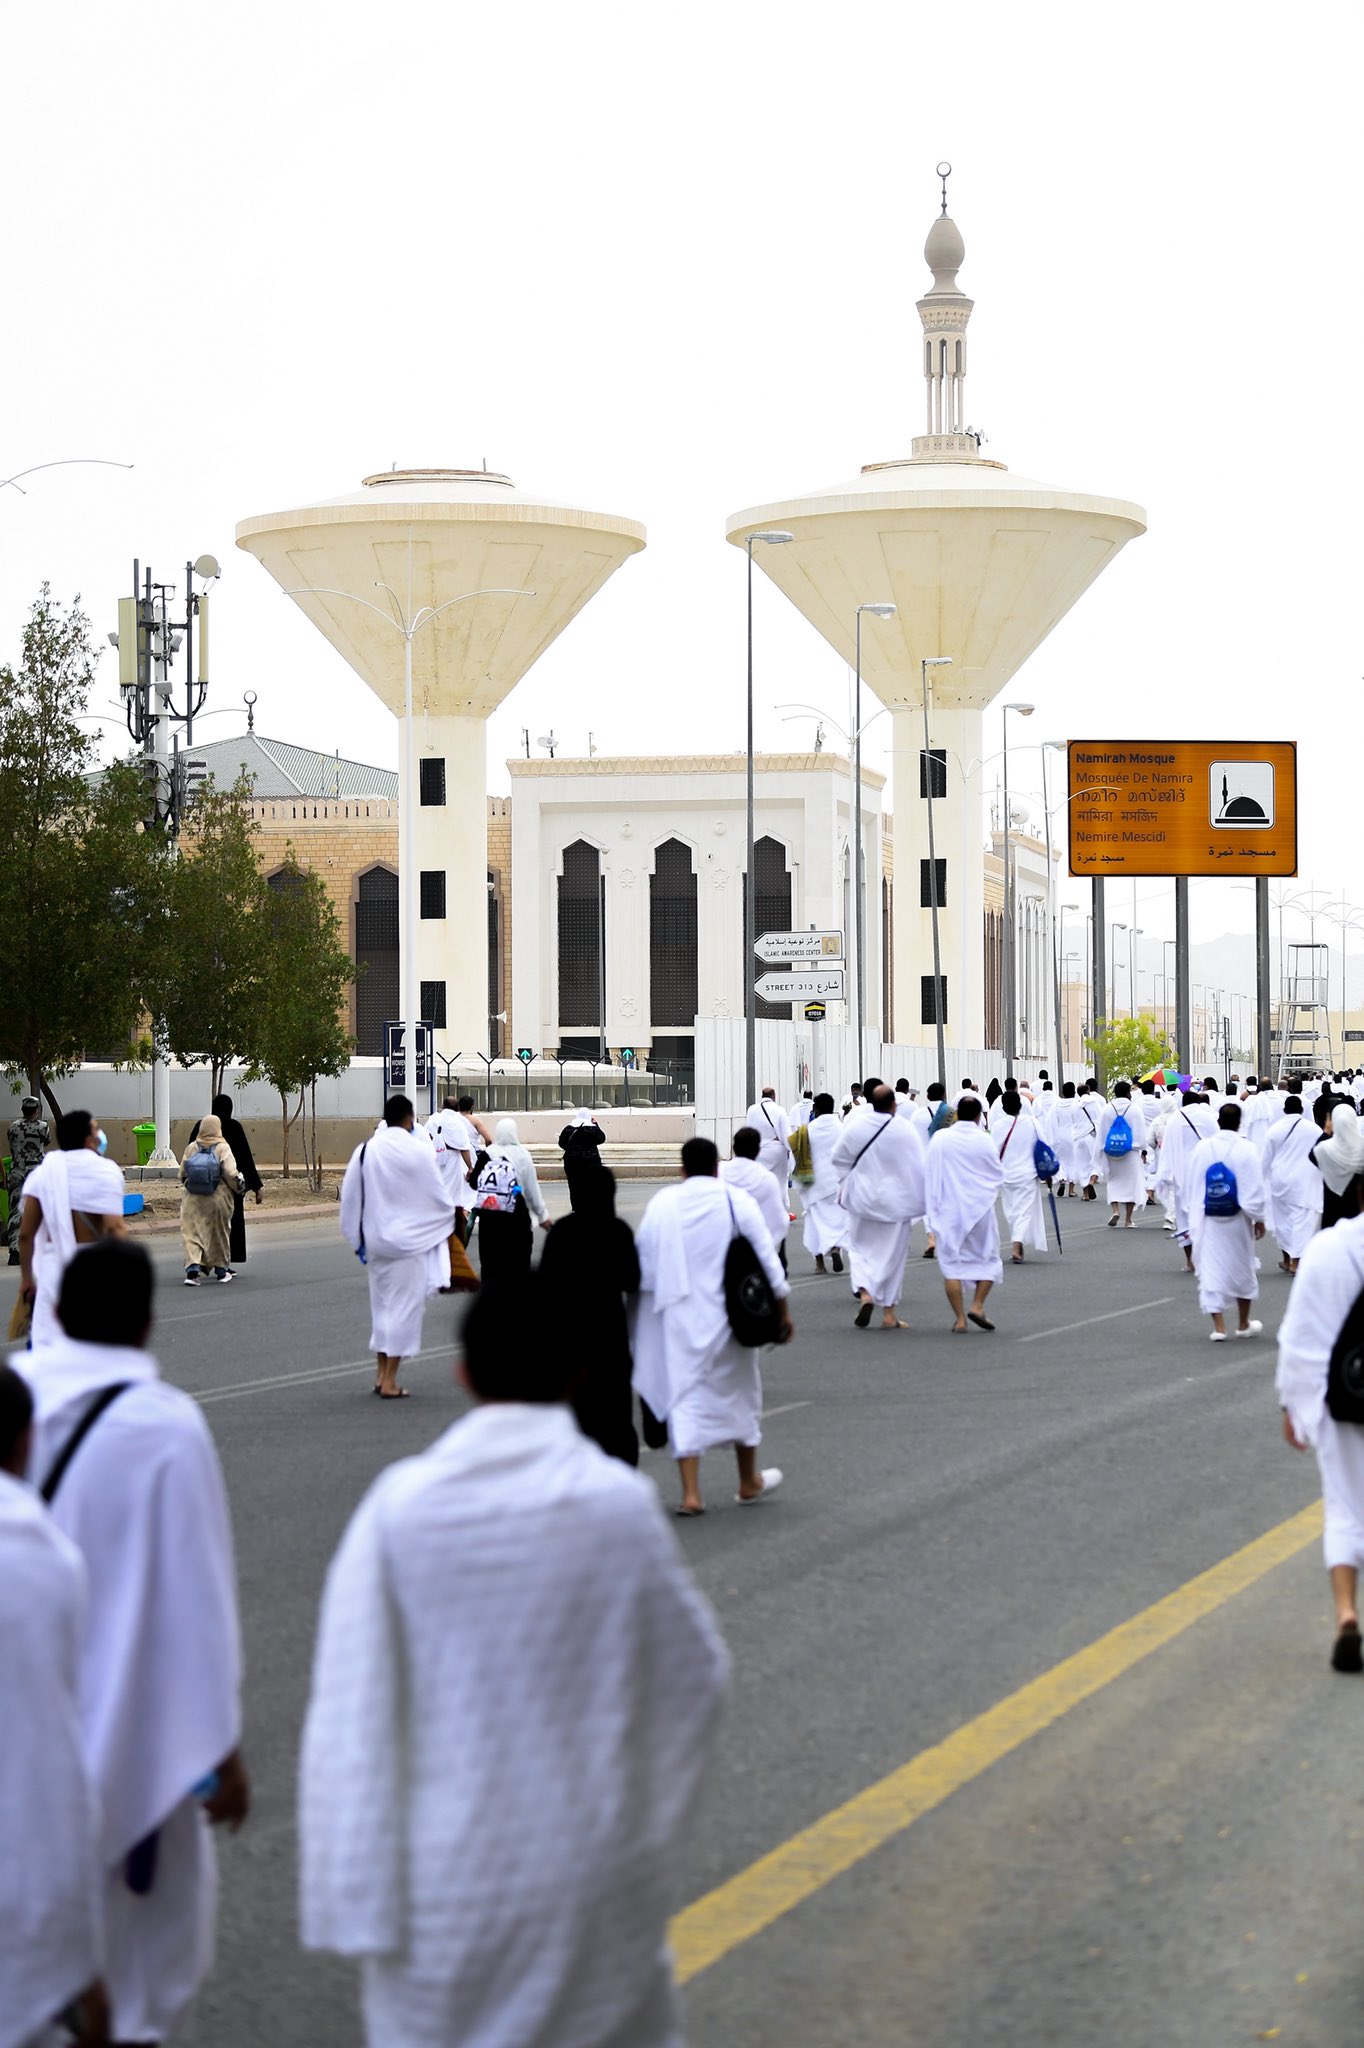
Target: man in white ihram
{"x":397,"y":1213}
{"x":688,"y":1365}
{"x":514,"y":1701}
{"x":964,"y":1177}
{"x":140,"y":1493}
{"x":773,"y":1126}
{"x":880,"y":1164}
{"x":1224,"y":1229}
{"x":51,"y":1909}
{"x":73,"y":1197}
{"x":743,"y":1171}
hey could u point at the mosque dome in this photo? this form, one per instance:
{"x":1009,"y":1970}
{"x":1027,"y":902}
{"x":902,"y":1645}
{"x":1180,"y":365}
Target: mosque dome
{"x":944,"y":253}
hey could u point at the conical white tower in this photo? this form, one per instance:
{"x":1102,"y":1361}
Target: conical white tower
{"x":981,"y":565}
{"x":441,"y":587}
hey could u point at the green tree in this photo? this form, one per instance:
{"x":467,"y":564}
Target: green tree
{"x":82,"y":912}
{"x":1129,"y":1046}
{"x":300,"y":1035}
{"x":217,"y":951}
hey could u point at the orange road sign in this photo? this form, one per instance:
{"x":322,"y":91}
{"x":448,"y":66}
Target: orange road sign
{"x":1183,"y":807}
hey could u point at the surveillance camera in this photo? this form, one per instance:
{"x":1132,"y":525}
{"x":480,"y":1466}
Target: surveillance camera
{"x":113,"y":639}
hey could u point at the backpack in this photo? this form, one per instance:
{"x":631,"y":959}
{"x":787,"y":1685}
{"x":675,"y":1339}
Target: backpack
{"x":1345,"y":1373}
{"x":942,"y":1117}
{"x":497,"y":1188}
{"x":801,"y":1158}
{"x":203,"y":1173}
{"x":1046,"y":1165}
{"x":1118,"y":1143}
{"x":1220,"y":1194}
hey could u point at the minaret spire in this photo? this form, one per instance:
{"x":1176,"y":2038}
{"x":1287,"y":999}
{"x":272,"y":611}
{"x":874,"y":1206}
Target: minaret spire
{"x":945,"y":311}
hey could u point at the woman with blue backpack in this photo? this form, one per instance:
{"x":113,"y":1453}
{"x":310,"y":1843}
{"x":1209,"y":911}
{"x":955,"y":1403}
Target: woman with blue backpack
{"x":211,"y":1181}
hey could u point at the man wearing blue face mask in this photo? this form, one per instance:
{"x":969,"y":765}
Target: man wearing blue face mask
{"x":74,"y":1198}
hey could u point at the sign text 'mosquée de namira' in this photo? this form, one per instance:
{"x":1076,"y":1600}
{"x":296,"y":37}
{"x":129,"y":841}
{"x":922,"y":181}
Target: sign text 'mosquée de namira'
{"x":1182,"y":807}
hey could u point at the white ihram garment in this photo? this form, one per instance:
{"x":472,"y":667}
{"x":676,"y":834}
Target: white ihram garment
{"x":1022,"y":1190}
{"x":1330,"y":1278}
{"x":825,"y":1222}
{"x":687,"y":1365}
{"x":964,"y":1177}
{"x":406,"y":1221}
{"x":1294,"y":1183}
{"x":453,"y":1136}
{"x":143,"y":1501}
{"x":1224,"y":1246}
{"x":514,"y":1699}
{"x":1187,"y":1127}
{"x":64,"y":1181}
{"x":880,"y":1162}
{"x":51,"y":1879}
{"x":774,"y":1129}
{"x":1124,"y":1174}
{"x":1064,"y":1139}
{"x":758,"y":1183}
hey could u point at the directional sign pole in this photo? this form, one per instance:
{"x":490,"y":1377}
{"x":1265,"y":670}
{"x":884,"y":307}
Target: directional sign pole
{"x":1262,"y":1028}
{"x":1183,"y":1003}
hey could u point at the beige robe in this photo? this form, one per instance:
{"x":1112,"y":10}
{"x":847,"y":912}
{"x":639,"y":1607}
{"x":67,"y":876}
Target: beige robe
{"x":206,"y":1220}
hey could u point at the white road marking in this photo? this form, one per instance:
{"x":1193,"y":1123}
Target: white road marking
{"x":191,"y":1315}
{"x":310,"y":1376}
{"x":787,"y":1408}
{"x":1112,"y":1316}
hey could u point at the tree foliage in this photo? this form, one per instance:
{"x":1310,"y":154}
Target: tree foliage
{"x":299,"y":1034}
{"x":1129,"y":1046}
{"x":213,"y":986}
{"x":83,"y":903}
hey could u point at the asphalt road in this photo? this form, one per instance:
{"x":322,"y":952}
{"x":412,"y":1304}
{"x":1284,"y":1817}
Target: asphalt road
{"x":1176,"y":1858}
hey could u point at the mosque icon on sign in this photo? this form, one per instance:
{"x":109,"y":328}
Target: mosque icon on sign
{"x":1241,"y":795}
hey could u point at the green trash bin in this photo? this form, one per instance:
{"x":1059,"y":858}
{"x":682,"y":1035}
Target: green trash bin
{"x":145,"y":1137}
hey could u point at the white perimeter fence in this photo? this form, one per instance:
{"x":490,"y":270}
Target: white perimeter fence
{"x":793,"y":1057}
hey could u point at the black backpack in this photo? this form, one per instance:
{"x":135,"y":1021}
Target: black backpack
{"x":1345,"y":1373}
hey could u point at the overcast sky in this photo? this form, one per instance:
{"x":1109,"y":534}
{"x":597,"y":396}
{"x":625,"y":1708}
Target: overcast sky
{"x":663,"y":262}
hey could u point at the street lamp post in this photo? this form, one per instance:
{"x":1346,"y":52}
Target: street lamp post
{"x":1061,"y":957}
{"x":878,"y":611}
{"x":928,"y":662}
{"x":1132,"y":938}
{"x":1010,"y":1002}
{"x":773,"y":538}
{"x":1114,"y":926}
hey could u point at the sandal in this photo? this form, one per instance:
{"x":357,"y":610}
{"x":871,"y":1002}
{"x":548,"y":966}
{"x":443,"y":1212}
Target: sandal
{"x":398,"y":1394}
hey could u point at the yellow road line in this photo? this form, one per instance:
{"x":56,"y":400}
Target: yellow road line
{"x":735,"y":1911}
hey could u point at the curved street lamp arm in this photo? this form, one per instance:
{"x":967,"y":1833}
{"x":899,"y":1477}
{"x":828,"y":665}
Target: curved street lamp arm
{"x":429,"y":612}
{"x":63,"y":462}
{"x":321,"y":590}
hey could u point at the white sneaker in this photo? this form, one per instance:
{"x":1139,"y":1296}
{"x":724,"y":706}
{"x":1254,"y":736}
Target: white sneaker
{"x":1217,"y":1337}
{"x":771,"y":1478}
{"x":1251,"y":1330}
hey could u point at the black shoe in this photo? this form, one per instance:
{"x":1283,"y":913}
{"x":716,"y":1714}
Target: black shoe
{"x":1347,"y":1652}
{"x":835,"y":1260}
{"x":14,"y":1258}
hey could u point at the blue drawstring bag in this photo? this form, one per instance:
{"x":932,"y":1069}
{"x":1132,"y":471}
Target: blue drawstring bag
{"x":1221,"y":1197}
{"x":1118,"y":1143}
{"x":1045,"y":1162}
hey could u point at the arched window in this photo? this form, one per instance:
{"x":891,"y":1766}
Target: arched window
{"x":582,"y":915}
{"x":376,"y":956}
{"x":771,"y":909}
{"x":672,"y":936}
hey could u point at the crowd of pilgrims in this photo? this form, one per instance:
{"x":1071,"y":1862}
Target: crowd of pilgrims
{"x":516,"y":1682}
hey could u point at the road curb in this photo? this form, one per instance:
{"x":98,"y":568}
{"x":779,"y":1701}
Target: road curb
{"x":166,"y":1226}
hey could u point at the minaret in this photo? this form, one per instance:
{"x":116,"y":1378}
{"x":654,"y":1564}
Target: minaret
{"x":946,"y":312}
{"x":981,"y":565}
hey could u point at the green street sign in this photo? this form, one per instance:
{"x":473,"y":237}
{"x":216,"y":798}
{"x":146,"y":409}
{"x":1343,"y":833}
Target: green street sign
{"x":524,"y":1054}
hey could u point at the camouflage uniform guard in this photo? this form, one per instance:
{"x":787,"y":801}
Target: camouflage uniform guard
{"x":29,"y":1138}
